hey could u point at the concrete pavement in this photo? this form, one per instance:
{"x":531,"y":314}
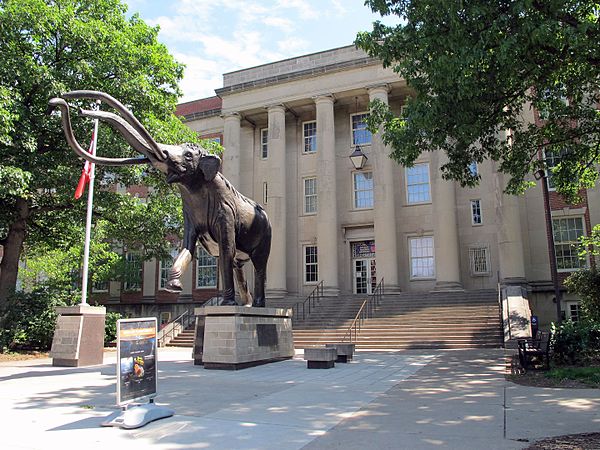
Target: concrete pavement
{"x":399,"y":400}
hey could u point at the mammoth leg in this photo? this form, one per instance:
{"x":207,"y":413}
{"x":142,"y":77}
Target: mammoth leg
{"x":179,"y":265}
{"x":226,"y":256}
{"x":259,"y":261}
{"x":241,"y":283}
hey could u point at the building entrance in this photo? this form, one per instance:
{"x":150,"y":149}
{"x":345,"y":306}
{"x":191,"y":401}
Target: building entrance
{"x":364,"y":272}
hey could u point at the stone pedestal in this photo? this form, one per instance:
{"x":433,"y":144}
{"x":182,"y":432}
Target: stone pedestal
{"x":79,"y":336}
{"x":236,"y":337}
{"x":199,"y":340}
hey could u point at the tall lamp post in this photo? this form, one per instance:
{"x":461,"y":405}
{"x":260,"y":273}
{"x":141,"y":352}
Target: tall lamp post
{"x":542,"y":175}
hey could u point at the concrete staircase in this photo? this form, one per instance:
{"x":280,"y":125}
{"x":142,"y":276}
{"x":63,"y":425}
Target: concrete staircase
{"x":183,"y":339}
{"x":418,"y":320}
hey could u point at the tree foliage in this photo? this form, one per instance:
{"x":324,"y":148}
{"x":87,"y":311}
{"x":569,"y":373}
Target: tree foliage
{"x":53,"y":46}
{"x":476,"y":67}
{"x":585,"y":283}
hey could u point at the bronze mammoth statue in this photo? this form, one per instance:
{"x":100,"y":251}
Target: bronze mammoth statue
{"x":226,"y":223}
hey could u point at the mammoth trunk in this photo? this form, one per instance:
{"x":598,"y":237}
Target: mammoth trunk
{"x":9,"y":267}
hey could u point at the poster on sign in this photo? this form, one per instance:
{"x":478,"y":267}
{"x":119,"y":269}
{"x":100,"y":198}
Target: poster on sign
{"x":136,"y":359}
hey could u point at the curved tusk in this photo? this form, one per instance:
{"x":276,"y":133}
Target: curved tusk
{"x":114,"y":103}
{"x":66,"y":123}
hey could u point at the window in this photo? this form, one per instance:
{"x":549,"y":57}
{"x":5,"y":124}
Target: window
{"x":360,"y":134}
{"x":479,"y":261}
{"x":311,"y":268}
{"x":567,"y":232}
{"x":310,"y":195}
{"x":133,"y":272}
{"x":363,"y":190}
{"x":264,"y":143}
{"x":164,"y":267}
{"x":206,"y":269}
{"x":310,"y":137}
{"x":476,"y":218}
{"x":422,"y":264}
{"x":265,"y":192}
{"x":417,"y":183}
{"x":574,"y":311}
{"x":474,"y":169}
{"x":215,"y":139}
{"x":100,"y":286}
{"x":552,"y":159}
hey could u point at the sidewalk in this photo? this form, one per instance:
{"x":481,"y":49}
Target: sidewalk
{"x":401,"y":400}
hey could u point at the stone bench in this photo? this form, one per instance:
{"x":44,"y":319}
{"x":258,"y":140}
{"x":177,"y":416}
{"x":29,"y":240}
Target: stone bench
{"x":345,"y":351}
{"x":320,"y":357}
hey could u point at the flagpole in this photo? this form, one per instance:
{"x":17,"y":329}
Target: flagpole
{"x":88,"y":220}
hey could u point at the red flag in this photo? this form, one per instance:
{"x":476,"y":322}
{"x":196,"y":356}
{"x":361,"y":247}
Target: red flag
{"x":85,"y":173}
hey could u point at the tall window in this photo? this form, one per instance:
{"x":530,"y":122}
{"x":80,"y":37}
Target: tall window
{"x":363,"y":190}
{"x":552,"y":160}
{"x":476,"y":218}
{"x":479,"y":261}
{"x":567,"y":232}
{"x":206,"y":270}
{"x":417,"y":183}
{"x":310,"y":137}
{"x":265,"y":192}
{"x":264,"y":143}
{"x":360,"y":134}
{"x":422,"y":264}
{"x":164,"y":268}
{"x":574,"y":311}
{"x":310,"y":195}
{"x":133,"y":272}
{"x":311,"y":268}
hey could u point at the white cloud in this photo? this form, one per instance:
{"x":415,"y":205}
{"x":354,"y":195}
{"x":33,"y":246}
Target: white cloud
{"x":202,"y":77}
{"x":339,"y":8}
{"x":292,"y":46}
{"x":302,"y":7}
{"x":279,"y":22}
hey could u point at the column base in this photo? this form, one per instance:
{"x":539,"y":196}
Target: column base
{"x":445,"y":286}
{"x":276,"y":293}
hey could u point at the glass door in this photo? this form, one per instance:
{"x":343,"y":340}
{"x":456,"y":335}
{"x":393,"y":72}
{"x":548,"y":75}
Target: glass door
{"x":365,"y":278}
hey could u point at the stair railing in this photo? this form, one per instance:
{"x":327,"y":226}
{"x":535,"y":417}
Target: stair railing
{"x":173,"y":328}
{"x":366,"y":311}
{"x":309,"y":303}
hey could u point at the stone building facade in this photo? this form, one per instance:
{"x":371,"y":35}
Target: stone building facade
{"x":288,"y":129}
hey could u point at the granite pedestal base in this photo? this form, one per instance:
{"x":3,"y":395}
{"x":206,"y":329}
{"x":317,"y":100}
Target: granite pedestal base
{"x":236,"y":337}
{"x":79,"y":336}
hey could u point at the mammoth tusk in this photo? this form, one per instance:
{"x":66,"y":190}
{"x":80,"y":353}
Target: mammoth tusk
{"x":114,"y":103}
{"x":66,"y":122}
{"x":127,"y":131}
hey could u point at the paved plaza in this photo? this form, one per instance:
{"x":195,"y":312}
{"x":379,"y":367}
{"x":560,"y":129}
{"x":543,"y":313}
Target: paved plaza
{"x":381,"y":400}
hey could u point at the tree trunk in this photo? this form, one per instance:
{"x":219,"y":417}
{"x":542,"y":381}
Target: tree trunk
{"x":9,"y":267}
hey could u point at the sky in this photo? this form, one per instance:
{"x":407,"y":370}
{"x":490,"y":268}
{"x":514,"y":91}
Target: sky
{"x":213,"y":37}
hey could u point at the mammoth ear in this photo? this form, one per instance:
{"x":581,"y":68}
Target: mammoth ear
{"x":209,"y":164}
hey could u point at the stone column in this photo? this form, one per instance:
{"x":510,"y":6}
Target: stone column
{"x":327,"y":215}
{"x":231,"y":142}
{"x":445,"y":228}
{"x":510,"y":237}
{"x":386,"y":245}
{"x":276,"y":203}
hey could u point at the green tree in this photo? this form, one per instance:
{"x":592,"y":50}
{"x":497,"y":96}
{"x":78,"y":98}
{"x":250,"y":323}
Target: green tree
{"x":53,"y":46}
{"x":476,"y":67}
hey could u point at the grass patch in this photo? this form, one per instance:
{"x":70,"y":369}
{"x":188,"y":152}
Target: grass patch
{"x":588,"y":375}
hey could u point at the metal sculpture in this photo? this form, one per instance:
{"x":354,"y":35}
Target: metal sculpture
{"x":226,"y":223}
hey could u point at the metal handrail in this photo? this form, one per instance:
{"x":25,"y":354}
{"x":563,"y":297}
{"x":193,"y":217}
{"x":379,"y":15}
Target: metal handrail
{"x":366,"y":310}
{"x":175,"y":326}
{"x":312,"y":299}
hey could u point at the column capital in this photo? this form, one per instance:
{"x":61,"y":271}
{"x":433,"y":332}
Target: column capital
{"x":329,"y":98}
{"x":383,"y":88}
{"x":231,"y":115}
{"x":275,"y":107}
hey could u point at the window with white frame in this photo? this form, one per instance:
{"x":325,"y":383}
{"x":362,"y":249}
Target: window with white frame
{"x":310,"y":195}
{"x":264,"y":143}
{"x":311,"y":267}
{"x":573,"y":311}
{"x":164,"y":267}
{"x":206,"y":269}
{"x":567,"y":232}
{"x":479,"y":260}
{"x":417,"y":184}
{"x":422,"y":263}
{"x":552,"y":159}
{"x":133,"y":271}
{"x":310,"y":136}
{"x":476,"y":217}
{"x":363,"y":190}
{"x":100,"y":286}
{"x":360,"y":134}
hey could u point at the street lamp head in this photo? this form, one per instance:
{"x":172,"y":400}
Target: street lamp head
{"x":358,"y":158}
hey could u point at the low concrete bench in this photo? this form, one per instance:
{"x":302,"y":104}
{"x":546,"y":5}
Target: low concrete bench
{"x":320,"y":357}
{"x":345,"y":351}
